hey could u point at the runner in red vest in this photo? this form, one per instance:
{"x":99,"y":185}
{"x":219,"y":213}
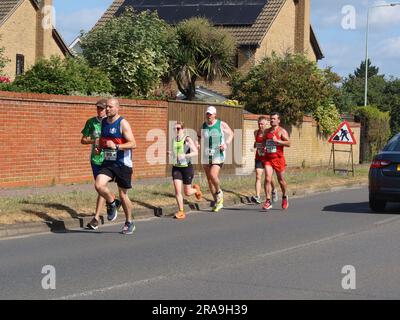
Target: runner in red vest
{"x":259,"y":161}
{"x":276,"y":138}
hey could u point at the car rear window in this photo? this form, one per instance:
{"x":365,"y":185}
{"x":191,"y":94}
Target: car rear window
{"x":393,"y":144}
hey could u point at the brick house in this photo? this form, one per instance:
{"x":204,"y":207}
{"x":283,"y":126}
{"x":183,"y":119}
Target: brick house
{"x":259,"y":26}
{"x":23,"y":36}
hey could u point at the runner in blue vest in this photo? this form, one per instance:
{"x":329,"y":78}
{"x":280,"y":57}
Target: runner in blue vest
{"x":215,"y":135}
{"x":117,"y":141}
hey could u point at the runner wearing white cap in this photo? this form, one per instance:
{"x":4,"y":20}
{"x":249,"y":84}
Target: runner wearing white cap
{"x":216,"y":135}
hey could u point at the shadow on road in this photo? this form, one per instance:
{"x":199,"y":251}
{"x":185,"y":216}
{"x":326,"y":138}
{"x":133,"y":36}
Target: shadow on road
{"x":361,"y":207}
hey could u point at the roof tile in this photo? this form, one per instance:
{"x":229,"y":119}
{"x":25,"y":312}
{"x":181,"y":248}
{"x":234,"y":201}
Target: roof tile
{"x":6,"y":6}
{"x":245,"y":35}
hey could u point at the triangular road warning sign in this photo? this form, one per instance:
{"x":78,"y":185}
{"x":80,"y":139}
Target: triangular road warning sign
{"x":343,"y":135}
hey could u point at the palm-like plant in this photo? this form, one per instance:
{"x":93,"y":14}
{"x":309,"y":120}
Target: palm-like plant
{"x":204,"y":52}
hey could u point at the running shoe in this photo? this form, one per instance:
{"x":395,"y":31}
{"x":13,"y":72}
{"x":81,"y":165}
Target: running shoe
{"x":285,"y":202}
{"x":198,"y":193}
{"x":112,"y":210}
{"x":267,"y":205}
{"x":93,"y":224}
{"x":256,"y":199}
{"x":274,"y":196}
{"x":220,"y":196}
{"x":129,"y":227}
{"x":218,"y":206}
{"x":180,"y":215}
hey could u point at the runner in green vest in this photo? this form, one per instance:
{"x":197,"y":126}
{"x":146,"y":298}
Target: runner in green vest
{"x":90,"y":135}
{"x":183,"y":149}
{"x":215,"y":135}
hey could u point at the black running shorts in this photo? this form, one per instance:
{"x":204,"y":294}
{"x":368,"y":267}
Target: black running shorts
{"x":119,"y":173}
{"x":185,"y":174}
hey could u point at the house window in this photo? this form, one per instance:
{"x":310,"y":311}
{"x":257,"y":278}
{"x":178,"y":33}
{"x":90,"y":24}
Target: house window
{"x":20,"y":64}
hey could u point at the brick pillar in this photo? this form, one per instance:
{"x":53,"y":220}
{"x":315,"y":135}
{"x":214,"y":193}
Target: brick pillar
{"x":302,"y":34}
{"x":45,"y":25}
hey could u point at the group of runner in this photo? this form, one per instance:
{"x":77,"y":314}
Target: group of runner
{"x":112,"y":143}
{"x":269,"y":144}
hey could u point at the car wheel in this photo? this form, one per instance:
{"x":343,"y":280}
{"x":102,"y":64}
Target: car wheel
{"x":376,"y":205}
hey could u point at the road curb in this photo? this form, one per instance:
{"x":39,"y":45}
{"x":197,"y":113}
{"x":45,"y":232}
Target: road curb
{"x":62,"y":226}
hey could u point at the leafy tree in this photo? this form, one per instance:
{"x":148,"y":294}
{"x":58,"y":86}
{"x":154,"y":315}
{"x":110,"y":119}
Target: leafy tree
{"x":360,"y":71}
{"x":327,"y":117}
{"x":382,"y":92}
{"x":375,"y":126}
{"x":204,"y":52}
{"x":133,"y":49}
{"x":3,"y":60}
{"x":63,"y":76}
{"x":292,"y":85}
{"x":353,"y":88}
{"x":391,"y":101}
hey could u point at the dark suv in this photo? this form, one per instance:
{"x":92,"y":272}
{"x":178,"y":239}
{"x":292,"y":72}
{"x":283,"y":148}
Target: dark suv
{"x":384,"y":176}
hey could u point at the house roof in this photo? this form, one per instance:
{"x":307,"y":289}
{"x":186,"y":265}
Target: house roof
{"x":248,"y":30}
{"x":8,"y":7}
{"x":249,"y":23}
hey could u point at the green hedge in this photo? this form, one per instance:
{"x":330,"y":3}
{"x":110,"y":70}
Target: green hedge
{"x":375,"y":130}
{"x":72,"y":76}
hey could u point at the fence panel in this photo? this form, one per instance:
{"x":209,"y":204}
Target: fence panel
{"x":193,"y":115}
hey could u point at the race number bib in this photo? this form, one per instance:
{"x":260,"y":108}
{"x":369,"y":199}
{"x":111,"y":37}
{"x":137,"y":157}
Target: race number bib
{"x":110,"y":155}
{"x":270,"y":146}
{"x":210,"y":152}
{"x":260,"y":149}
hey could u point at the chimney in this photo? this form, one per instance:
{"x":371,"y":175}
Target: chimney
{"x":303,"y":24}
{"x":44,"y":26}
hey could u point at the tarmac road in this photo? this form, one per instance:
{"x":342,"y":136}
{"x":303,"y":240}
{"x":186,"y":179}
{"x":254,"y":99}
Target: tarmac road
{"x":239,"y":253}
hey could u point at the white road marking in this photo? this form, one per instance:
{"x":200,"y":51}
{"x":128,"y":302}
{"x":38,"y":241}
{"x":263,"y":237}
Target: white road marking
{"x":301,"y":246}
{"x":103,"y":290}
{"x":386,"y":221}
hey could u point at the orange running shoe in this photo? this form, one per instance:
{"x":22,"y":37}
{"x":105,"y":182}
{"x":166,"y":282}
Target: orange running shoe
{"x":180,"y":215}
{"x":198,"y":193}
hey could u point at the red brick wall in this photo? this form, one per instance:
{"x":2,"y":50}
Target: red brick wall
{"x":40,"y":137}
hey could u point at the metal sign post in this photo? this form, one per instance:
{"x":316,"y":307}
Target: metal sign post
{"x":341,"y":136}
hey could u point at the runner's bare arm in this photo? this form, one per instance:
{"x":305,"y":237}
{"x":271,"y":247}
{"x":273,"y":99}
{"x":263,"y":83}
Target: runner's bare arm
{"x":193,"y":149}
{"x":284,"y":141}
{"x":128,"y":135}
{"x":228,"y":131}
{"x":198,"y":141}
{"x":255,"y":137}
{"x":87,"y":140}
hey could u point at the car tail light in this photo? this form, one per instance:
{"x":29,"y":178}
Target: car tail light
{"x":380,"y":163}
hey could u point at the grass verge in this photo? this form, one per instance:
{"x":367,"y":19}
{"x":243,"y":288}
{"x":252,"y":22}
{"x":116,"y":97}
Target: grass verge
{"x":49,"y":206}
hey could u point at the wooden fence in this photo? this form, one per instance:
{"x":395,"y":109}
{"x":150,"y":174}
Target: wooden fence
{"x":193,"y":115}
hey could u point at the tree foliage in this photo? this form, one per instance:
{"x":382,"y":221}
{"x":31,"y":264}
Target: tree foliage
{"x":204,"y":52}
{"x":376,"y":128}
{"x":3,"y":60}
{"x":327,"y":117}
{"x":391,"y":102}
{"x":360,"y":71}
{"x":63,"y":76}
{"x":133,"y":49}
{"x":383,"y":92}
{"x":291,"y":85}
{"x":353,"y":88}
